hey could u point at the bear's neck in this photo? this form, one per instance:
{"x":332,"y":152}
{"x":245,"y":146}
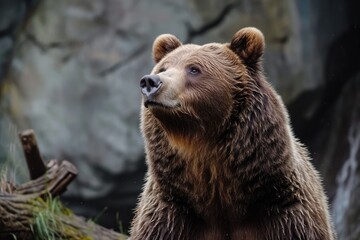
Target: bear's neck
{"x":190,"y":137}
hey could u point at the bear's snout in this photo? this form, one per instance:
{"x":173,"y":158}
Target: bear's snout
{"x":149,"y":85}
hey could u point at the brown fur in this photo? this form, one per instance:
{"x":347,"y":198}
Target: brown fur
{"x":223,"y":161}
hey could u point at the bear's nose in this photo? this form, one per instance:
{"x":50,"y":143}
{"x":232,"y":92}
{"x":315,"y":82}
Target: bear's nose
{"x":150,"y":84}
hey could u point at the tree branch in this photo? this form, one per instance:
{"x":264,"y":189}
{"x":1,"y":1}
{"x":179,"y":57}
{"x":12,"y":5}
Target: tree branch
{"x":31,"y":211}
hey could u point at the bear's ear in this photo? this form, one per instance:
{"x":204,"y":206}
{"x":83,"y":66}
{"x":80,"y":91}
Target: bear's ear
{"x":164,"y":44}
{"x":248,"y":43}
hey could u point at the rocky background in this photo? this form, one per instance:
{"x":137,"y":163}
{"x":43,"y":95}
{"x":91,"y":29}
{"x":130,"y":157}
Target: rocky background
{"x":70,"y":70}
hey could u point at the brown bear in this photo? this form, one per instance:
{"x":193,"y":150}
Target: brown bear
{"x":223,"y":162}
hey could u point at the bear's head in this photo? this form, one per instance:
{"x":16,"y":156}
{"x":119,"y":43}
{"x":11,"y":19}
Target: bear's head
{"x":193,"y":90}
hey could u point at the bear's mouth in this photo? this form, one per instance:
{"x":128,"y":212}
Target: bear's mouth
{"x":152,"y":103}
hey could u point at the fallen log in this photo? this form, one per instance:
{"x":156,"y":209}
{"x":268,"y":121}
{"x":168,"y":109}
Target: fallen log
{"x":32,"y":210}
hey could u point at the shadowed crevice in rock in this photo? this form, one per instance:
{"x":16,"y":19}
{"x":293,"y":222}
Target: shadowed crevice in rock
{"x":208,"y":26}
{"x":14,"y":14}
{"x":135,"y":53}
{"x":342,"y":63}
{"x":45,"y":47}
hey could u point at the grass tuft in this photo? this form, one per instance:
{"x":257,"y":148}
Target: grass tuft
{"x":45,"y":225}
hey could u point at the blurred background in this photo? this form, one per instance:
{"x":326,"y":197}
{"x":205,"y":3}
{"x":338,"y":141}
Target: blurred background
{"x":70,"y":70}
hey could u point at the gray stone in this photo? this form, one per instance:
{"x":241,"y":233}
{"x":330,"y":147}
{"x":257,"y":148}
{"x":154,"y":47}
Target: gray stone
{"x":346,"y":206}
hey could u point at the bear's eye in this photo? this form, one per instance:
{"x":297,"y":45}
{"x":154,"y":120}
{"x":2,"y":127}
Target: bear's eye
{"x":193,"y":70}
{"x":162,"y":70}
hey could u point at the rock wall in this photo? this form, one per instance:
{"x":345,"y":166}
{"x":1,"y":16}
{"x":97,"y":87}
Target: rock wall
{"x":74,"y":79}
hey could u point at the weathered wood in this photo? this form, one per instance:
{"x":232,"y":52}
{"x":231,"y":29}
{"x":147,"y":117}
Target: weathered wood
{"x":33,"y":158}
{"x":17,"y":218}
{"x":21,"y":205}
{"x":58,"y":176}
